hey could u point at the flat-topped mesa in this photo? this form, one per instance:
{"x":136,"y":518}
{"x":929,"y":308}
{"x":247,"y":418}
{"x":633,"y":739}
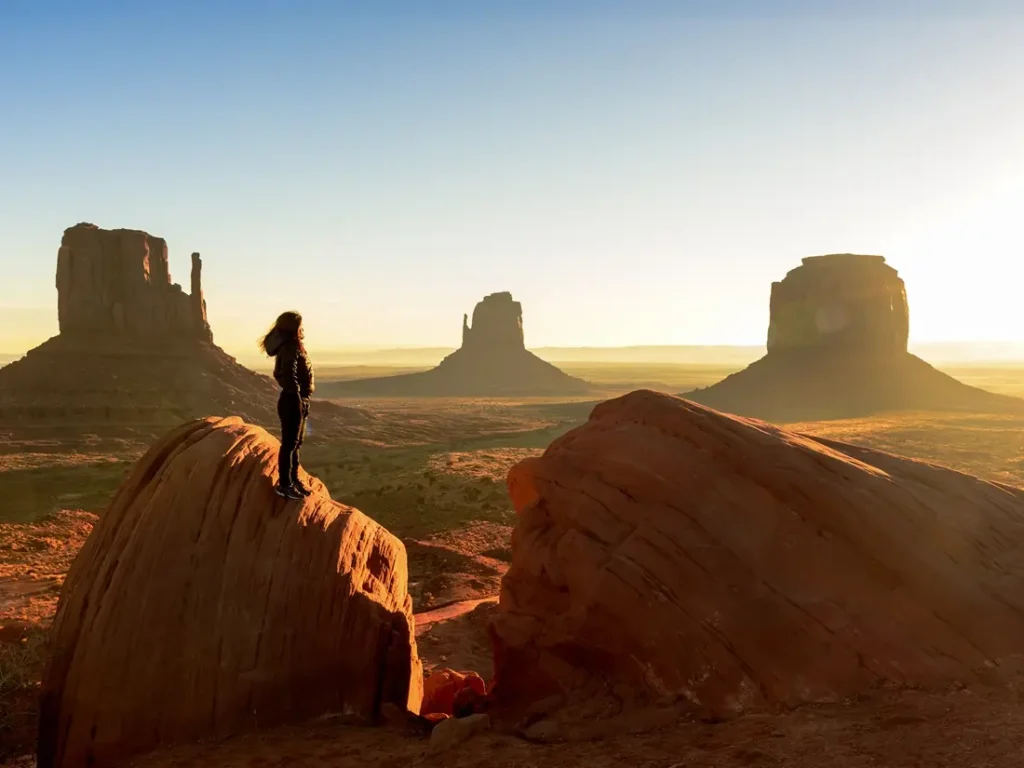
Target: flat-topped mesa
{"x":118,"y":282}
{"x":497,"y":324}
{"x":841,"y":301}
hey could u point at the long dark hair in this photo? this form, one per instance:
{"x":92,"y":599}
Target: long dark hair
{"x":289,"y":325}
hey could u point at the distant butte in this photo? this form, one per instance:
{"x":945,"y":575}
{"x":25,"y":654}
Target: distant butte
{"x":837,"y":347}
{"x":134,"y":349}
{"x":492,"y":361}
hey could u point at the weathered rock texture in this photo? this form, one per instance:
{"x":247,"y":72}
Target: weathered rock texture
{"x":837,"y":347}
{"x":667,"y":552}
{"x":840,"y":301}
{"x":203,"y":605}
{"x":118,"y":282}
{"x":492,"y":361}
{"x":134,"y":350}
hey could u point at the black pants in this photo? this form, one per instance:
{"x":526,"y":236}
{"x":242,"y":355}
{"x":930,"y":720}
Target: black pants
{"x":293,"y":411}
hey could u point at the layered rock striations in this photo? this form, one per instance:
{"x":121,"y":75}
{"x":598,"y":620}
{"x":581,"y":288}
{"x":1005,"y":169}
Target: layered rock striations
{"x":668,"y":553}
{"x":492,"y":361}
{"x":202,"y":605}
{"x":134,"y":349}
{"x":837,"y":347}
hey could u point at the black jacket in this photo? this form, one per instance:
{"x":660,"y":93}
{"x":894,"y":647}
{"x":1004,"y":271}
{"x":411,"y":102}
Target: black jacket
{"x":292,"y":369}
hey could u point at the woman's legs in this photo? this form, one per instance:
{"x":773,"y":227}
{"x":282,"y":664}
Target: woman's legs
{"x":298,"y":447}
{"x":289,"y":410}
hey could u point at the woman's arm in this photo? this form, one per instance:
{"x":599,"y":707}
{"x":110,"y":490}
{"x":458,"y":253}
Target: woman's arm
{"x":286,"y":369}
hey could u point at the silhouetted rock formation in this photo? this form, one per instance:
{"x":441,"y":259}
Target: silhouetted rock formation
{"x":202,"y":605}
{"x":665,"y":552}
{"x":839,"y":301}
{"x":133,"y":348}
{"x":837,"y":347}
{"x":118,"y":282}
{"x":492,"y":361}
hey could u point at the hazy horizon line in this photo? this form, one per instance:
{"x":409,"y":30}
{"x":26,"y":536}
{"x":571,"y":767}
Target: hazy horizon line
{"x":978,"y":352}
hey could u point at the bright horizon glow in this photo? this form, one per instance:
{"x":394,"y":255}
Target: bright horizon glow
{"x":635,"y":174}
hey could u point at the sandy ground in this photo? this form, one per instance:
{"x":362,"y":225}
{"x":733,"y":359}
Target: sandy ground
{"x":957,"y":730}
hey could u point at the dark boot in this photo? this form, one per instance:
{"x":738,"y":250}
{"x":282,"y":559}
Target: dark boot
{"x":288,"y":492}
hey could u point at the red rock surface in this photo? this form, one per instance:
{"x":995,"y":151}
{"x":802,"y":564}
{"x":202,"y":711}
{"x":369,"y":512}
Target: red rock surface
{"x":665,"y":551}
{"x":203,"y":605}
{"x":443,"y":688}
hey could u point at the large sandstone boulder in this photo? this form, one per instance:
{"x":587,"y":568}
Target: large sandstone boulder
{"x":118,"y":282}
{"x":668,"y":552}
{"x":493,"y":361}
{"x":837,"y":348}
{"x":203,"y":605}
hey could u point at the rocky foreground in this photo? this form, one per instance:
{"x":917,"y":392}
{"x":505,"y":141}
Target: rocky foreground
{"x":670,"y":565}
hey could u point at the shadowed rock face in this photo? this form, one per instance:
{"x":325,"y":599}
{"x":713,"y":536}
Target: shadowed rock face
{"x":202,"y":605}
{"x":118,"y":282}
{"x":492,"y":361}
{"x":837,"y":348}
{"x":497,"y":325}
{"x":839,"y":301}
{"x":666,"y":552}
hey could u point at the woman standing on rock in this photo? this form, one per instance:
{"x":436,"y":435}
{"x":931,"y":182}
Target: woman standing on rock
{"x":294,"y":373}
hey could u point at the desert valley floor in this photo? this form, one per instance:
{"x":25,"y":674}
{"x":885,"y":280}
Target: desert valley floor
{"x":433,"y":471}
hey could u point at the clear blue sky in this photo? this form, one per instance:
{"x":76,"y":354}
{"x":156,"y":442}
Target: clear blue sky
{"x":634,"y":172}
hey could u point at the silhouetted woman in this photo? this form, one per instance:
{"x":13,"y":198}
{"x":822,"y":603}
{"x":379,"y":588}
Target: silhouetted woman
{"x":294,"y":373}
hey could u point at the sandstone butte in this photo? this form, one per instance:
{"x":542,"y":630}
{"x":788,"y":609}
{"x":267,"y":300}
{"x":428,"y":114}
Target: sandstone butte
{"x":666,"y":552}
{"x":837,"y":347}
{"x":134,"y":349}
{"x":203,"y":605}
{"x":492,"y":361}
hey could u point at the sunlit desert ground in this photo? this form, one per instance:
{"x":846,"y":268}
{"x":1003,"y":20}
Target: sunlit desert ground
{"x":432,"y":471}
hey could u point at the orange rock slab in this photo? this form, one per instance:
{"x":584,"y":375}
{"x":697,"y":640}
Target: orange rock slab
{"x":668,"y":552}
{"x":203,"y":605}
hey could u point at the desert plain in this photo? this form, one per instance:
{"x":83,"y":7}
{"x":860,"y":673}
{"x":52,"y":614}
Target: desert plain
{"x":433,"y":472}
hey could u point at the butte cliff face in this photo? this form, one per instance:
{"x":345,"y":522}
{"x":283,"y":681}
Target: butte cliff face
{"x":118,"y":282}
{"x":841,"y":302}
{"x":837,"y":347}
{"x":666,"y":553}
{"x":497,"y":326}
{"x":492,"y":361}
{"x":134,"y":349}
